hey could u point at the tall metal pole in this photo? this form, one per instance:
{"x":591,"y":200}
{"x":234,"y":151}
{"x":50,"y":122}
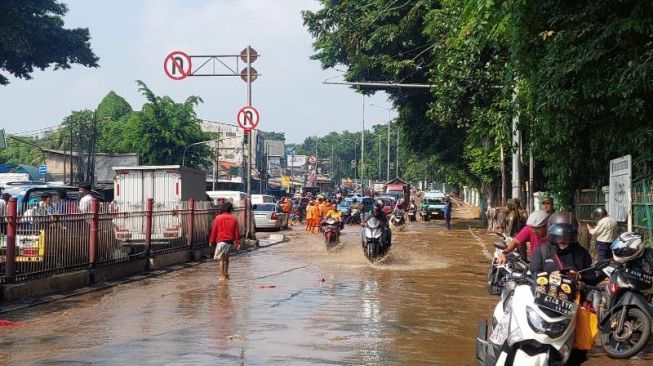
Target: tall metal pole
{"x":249,"y":142}
{"x":217,"y":160}
{"x":387,"y":174}
{"x":363,"y":146}
{"x":71,"y":152}
{"x":397,"y":155}
{"x":378,"y":144}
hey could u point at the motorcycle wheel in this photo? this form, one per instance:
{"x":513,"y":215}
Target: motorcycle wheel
{"x":633,"y":338}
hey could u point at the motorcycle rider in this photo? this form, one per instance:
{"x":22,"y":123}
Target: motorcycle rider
{"x":534,"y":232}
{"x":424,"y":206}
{"x":377,"y":212}
{"x":399,"y":212}
{"x":562,"y":251}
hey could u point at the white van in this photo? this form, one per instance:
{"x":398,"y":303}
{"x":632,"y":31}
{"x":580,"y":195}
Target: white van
{"x":262,"y":198}
{"x":236,"y":198}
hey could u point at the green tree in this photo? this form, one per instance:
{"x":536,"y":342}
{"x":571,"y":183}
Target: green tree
{"x":32,"y":35}
{"x":163,"y":129}
{"x":113,"y":107}
{"x":22,"y":150}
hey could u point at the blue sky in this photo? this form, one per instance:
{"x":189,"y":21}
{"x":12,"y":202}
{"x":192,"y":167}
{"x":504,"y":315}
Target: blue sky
{"x":132,"y":38}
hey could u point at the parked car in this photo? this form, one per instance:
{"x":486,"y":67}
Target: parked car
{"x":269,"y":216}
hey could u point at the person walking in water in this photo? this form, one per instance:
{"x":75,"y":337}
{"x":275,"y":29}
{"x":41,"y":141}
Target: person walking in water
{"x":225,"y":235}
{"x":447,"y":212}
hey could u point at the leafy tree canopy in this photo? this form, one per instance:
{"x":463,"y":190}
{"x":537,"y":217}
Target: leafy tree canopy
{"x":32,"y":35}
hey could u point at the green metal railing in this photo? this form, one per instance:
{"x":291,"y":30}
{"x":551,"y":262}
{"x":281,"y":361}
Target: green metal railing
{"x":642,"y":198}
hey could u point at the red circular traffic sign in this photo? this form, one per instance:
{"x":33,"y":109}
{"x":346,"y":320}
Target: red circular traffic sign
{"x":177,"y":65}
{"x":247,"y":118}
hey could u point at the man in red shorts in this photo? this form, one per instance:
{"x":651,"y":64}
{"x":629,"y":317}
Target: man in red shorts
{"x":225,"y":235}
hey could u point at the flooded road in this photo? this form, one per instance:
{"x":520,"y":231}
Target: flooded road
{"x":292,"y":303}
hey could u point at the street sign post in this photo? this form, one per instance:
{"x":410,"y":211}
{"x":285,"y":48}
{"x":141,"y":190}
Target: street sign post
{"x":248,"y":118}
{"x":43,"y":171}
{"x":177,"y":65}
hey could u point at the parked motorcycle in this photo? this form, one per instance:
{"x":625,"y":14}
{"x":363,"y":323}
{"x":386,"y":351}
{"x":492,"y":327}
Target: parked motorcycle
{"x":374,"y":245}
{"x":534,"y":323}
{"x":626,"y":320}
{"x":331,"y":232}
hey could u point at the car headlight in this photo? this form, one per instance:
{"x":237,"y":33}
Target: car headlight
{"x":539,"y":325}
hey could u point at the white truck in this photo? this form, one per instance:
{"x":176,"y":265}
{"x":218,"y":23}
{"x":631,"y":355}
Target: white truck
{"x":169,"y":185}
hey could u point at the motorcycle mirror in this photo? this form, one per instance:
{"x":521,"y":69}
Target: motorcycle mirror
{"x":499,"y":245}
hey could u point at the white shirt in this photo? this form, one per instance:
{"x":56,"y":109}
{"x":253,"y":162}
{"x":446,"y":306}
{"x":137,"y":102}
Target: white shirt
{"x":85,"y":203}
{"x":606,"y":230}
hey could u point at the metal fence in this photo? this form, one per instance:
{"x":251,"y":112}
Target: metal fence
{"x":39,"y":242}
{"x":586,"y":200}
{"x":642,"y":195}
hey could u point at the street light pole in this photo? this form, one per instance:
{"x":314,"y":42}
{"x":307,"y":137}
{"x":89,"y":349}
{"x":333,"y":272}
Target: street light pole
{"x":387,"y":176}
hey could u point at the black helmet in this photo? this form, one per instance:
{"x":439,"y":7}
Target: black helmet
{"x":562,"y":226}
{"x":599,"y":213}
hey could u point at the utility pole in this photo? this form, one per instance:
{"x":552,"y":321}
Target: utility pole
{"x":397,"y":155}
{"x":71,"y":152}
{"x":378,"y":143}
{"x":363,"y":146}
{"x":387,"y":174}
{"x":216,"y":161}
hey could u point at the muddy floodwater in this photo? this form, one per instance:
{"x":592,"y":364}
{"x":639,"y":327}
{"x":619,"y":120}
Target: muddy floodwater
{"x":289,"y":304}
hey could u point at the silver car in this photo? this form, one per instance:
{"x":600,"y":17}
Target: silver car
{"x":269,"y":216}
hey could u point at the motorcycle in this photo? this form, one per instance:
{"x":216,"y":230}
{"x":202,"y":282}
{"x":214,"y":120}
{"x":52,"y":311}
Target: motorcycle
{"x":626,"y":320}
{"x":535,"y":321}
{"x":397,"y":220}
{"x":374,"y":246}
{"x":354,"y":217}
{"x":425,"y":215}
{"x":331,"y":232}
{"x":412,"y":214}
{"x":497,"y":274}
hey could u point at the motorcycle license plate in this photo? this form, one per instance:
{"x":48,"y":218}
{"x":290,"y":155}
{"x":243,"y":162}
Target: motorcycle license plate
{"x":500,"y":331}
{"x":553,"y":303}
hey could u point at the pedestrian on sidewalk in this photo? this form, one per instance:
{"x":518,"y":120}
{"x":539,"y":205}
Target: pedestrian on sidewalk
{"x":447,"y":212}
{"x":605,"y":232}
{"x":225,"y":235}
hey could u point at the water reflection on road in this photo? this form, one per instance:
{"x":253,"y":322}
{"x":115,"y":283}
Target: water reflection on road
{"x":293,"y":303}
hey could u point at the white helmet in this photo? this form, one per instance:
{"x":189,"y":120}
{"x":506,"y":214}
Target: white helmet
{"x":626,"y":247}
{"x":537,"y":218}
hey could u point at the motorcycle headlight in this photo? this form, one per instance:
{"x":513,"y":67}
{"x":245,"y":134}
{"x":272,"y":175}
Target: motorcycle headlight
{"x":539,"y":325}
{"x":377,"y":234}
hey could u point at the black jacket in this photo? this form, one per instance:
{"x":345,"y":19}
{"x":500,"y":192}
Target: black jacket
{"x":573,"y":257}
